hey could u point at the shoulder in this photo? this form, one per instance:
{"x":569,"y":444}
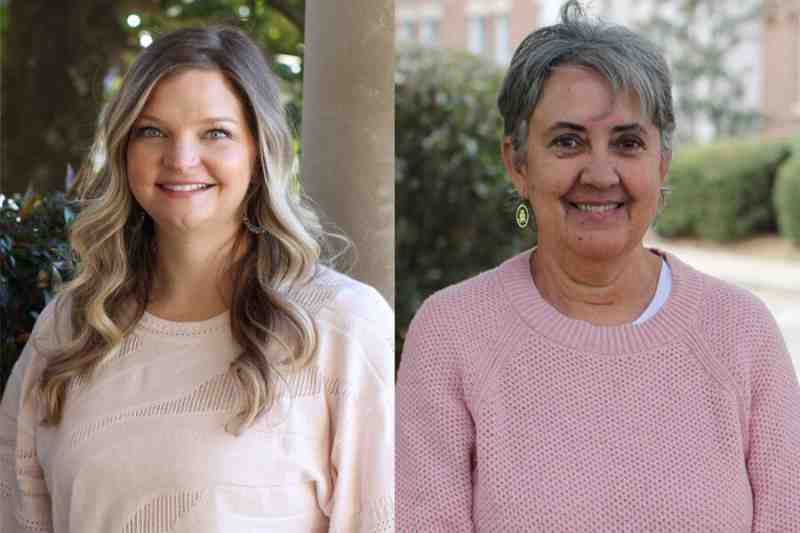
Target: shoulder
{"x":468,"y":307}
{"x":335,"y":297}
{"x":736,"y":326}
{"x":729,"y":307}
{"x":458,"y":329}
{"x":355,"y":326}
{"x":48,"y":334}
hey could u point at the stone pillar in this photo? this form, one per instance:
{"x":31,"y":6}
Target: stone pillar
{"x":348,"y":128}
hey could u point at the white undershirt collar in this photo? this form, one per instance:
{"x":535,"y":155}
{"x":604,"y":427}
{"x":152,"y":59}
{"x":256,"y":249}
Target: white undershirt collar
{"x":661,"y":295}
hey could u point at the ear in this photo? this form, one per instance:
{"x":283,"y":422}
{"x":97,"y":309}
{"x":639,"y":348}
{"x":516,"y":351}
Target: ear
{"x":518,"y":173}
{"x":663,"y":166}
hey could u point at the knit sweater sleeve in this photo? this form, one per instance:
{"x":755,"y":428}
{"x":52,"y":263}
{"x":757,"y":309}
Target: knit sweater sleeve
{"x":358,"y":341}
{"x":24,"y":498}
{"x":436,"y":434}
{"x":773,"y":460}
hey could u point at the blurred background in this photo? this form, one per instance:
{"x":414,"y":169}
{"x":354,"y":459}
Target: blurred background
{"x":735,"y":207}
{"x":60,"y":63}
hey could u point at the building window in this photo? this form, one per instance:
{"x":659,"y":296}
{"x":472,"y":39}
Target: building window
{"x":502,"y":40}
{"x":476,"y":34}
{"x":405,"y":31}
{"x":429,"y":32}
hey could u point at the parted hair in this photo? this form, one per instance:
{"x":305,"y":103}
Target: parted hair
{"x":114,"y":239}
{"x":626,"y":59}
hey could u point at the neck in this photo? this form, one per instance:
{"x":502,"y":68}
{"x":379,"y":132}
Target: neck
{"x":192,"y":280}
{"x":604,"y":293}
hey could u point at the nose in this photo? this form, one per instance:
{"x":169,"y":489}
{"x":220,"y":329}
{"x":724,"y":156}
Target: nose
{"x":600,"y":172}
{"x":181,"y":156}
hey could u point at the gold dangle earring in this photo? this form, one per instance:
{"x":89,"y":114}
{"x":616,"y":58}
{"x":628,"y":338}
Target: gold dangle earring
{"x":523,"y":215}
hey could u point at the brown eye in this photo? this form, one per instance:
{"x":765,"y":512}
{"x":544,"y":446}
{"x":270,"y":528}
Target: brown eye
{"x":566,"y":142}
{"x":630,"y":144}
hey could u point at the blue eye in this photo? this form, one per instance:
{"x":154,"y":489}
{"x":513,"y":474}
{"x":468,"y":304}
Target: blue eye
{"x":148,"y":131}
{"x":218,"y":133}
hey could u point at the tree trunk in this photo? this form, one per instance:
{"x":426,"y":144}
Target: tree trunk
{"x":56,"y":58}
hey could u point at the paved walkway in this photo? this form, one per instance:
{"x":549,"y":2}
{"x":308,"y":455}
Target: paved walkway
{"x":774,"y":281}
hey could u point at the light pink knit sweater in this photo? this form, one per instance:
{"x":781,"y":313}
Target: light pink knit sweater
{"x":513,"y":417}
{"x":142,"y":447}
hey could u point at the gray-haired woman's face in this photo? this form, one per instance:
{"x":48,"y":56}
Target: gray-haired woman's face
{"x":594,"y":166}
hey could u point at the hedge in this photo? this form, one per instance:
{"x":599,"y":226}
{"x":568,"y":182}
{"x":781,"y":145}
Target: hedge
{"x":786,"y":197}
{"x":723,"y":192}
{"x":455,"y":210}
{"x":35,"y":258}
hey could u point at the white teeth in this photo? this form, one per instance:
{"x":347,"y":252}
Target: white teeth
{"x":192,"y":187}
{"x":592,"y":208}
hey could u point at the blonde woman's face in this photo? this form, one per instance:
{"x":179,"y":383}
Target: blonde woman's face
{"x":191,"y":155}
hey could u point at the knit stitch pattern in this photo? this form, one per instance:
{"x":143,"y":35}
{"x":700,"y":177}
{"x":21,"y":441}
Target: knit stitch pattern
{"x":513,"y":417}
{"x":142,"y":446}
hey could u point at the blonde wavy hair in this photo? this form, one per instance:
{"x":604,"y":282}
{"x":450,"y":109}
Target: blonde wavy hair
{"x":114,"y":239}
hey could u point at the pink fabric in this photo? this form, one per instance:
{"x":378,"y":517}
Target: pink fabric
{"x":142,"y":446}
{"x":513,"y":417}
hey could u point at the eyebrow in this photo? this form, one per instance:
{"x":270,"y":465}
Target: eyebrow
{"x":622,"y":128}
{"x":204,"y":121}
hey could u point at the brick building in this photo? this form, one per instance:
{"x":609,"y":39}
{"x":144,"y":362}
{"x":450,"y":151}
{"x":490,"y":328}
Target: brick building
{"x":768,"y":60}
{"x":491,"y":28}
{"x":781,"y":60}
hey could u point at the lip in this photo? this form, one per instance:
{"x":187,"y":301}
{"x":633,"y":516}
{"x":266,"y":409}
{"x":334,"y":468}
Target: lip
{"x":183,"y":194}
{"x":596,"y":217}
{"x":595,"y":201}
{"x":183,"y":183}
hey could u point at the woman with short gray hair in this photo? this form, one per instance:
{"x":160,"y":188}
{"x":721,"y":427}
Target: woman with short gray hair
{"x":593,"y":384}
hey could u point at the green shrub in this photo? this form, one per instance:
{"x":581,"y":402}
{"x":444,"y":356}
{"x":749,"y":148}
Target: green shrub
{"x":34,"y":259}
{"x":455,"y":213}
{"x":787,"y":197}
{"x":723,"y":191}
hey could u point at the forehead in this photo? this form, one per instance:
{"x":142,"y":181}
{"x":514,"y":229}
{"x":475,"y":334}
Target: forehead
{"x":194,"y":93}
{"x":581,"y":95}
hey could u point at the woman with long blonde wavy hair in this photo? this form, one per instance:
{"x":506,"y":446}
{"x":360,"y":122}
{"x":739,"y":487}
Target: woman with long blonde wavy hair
{"x":204,"y":371}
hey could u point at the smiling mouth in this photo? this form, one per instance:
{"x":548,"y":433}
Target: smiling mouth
{"x":186,"y":188}
{"x":596,"y":208}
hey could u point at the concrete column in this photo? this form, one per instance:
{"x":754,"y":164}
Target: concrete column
{"x":348,"y":127}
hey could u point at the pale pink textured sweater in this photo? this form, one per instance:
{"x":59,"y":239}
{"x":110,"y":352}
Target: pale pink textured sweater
{"x":142,"y":448}
{"x":513,"y":417}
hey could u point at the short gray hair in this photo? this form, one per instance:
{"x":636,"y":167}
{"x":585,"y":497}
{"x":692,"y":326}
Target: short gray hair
{"x":626,"y":59}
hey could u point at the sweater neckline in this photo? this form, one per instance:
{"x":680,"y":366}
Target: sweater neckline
{"x":154,"y":324}
{"x":538,"y":314}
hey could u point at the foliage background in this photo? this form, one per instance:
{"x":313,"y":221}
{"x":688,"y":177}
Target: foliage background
{"x":723,"y":191}
{"x":456,"y":207}
{"x":787,"y":196}
{"x":35,"y":258}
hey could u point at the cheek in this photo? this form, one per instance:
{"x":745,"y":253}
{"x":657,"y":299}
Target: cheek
{"x":645,"y":183}
{"x":235,"y":161}
{"x":139,"y":165}
{"x":551,"y":182}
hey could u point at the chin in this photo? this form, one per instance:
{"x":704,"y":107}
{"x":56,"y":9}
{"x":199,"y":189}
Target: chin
{"x":597,"y":248}
{"x":174,"y":223}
